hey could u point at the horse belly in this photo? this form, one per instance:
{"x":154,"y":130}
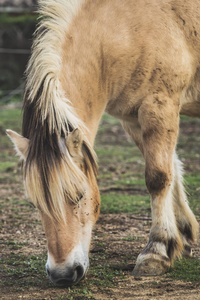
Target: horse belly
{"x":190,"y":105}
{"x":191,"y":109}
{"x":149,"y":69}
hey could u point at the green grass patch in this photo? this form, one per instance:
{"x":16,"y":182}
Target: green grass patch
{"x":8,"y":20}
{"x":186,"y":269}
{"x":130,"y":182}
{"x":6,"y":166}
{"x":21,"y":271}
{"x":14,"y":245}
{"x":111,"y":154}
{"x":10,"y":119}
{"x":193,"y":190}
{"x":193,"y":181}
{"x":116,"y":203}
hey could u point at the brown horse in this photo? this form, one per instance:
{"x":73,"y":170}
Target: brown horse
{"x":139,"y":61}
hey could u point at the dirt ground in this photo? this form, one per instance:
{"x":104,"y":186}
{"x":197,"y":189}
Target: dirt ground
{"x":110,"y":238}
{"x":117,"y":240}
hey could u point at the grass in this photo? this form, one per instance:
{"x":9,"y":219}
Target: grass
{"x":6,"y":166}
{"x":121,"y":167}
{"x":11,"y":119}
{"x":193,"y":190}
{"x":7,"y":20}
{"x":13,"y":245}
{"x":186,"y":269}
{"x":116,"y":203}
{"x":23,"y":271}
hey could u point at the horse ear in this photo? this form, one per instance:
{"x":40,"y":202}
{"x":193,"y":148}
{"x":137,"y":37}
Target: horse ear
{"x":21,"y":143}
{"x":74,"y":142}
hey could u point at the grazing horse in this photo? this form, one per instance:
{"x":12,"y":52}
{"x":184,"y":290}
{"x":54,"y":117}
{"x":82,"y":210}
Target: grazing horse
{"x":140,"y":62}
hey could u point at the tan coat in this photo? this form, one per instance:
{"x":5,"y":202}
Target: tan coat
{"x":139,"y":61}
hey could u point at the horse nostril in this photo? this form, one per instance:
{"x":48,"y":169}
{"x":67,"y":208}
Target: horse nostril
{"x":72,"y":276}
{"x":80,"y":272}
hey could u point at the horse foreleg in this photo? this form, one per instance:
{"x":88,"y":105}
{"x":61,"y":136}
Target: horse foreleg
{"x":159,"y":121}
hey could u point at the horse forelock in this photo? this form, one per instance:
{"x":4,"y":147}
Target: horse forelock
{"x":52,"y":177}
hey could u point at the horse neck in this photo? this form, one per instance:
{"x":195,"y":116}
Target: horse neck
{"x":92,"y":59}
{"x":82,"y":82}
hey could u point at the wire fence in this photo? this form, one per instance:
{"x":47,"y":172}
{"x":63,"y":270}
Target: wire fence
{"x":7,"y":95}
{"x":17,"y":10}
{"x":18,"y":91}
{"x":12,"y":60}
{"x":14,"y":51}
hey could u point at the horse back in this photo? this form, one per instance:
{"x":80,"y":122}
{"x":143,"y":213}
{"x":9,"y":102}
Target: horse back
{"x":153,"y":48}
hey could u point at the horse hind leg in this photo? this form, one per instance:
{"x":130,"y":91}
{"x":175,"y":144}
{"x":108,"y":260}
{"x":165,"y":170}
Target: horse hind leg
{"x":159,"y":131}
{"x":186,"y":221}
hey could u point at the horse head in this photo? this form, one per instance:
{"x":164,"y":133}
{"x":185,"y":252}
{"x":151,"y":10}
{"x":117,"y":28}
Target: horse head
{"x":65,"y":191}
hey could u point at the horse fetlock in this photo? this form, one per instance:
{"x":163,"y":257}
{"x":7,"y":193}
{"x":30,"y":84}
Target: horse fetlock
{"x":151,"y":264}
{"x":165,"y":242}
{"x":174,"y":248}
{"x":187,"y":251}
{"x":187,"y":244}
{"x":189,"y":231}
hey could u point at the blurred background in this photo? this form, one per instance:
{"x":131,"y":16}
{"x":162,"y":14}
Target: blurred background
{"x":17,"y":23}
{"x":123,"y":227}
{"x":121,"y":166}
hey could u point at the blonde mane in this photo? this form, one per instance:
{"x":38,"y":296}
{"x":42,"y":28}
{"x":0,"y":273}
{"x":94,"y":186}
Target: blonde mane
{"x":52,"y":176}
{"x":45,"y":64}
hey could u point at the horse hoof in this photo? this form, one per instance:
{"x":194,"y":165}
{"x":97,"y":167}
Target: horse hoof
{"x":187,"y":252}
{"x":151,"y":267}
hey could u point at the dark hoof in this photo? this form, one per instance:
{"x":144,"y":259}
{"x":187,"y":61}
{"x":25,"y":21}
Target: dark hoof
{"x":151,"y":266}
{"x":187,"y":252}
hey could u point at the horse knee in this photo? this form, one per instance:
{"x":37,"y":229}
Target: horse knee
{"x":156,"y":180}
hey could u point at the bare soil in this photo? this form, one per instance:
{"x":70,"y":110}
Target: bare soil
{"x":110,"y":238}
{"x":117,"y":240}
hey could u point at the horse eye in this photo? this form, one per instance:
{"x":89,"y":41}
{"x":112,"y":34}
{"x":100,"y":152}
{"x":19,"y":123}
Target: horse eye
{"x":80,"y":197}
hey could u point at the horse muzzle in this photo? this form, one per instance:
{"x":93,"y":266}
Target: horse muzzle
{"x":71,"y":271}
{"x":67,"y":277}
